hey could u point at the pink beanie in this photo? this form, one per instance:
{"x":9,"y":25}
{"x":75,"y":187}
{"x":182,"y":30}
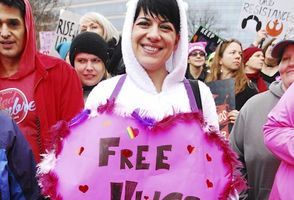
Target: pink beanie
{"x":200,"y":46}
{"x":247,"y":53}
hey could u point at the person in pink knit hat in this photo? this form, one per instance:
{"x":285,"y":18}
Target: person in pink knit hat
{"x":196,"y":61}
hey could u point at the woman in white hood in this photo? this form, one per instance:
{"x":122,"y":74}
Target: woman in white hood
{"x":155,"y":48}
{"x":148,"y":135}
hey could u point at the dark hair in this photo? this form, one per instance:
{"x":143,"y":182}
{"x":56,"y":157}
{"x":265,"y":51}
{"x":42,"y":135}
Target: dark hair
{"x":167,"y":9}
{"x":19,"y":4}
{"x":267,"y":45}
{"x":270,"y":61}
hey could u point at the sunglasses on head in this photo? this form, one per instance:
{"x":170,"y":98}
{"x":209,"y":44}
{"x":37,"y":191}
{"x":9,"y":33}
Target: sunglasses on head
{"x":196,"y":53}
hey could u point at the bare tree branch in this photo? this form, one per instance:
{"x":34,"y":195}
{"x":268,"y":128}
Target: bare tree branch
{"x":206,"y":17}
{"x":45,"y":15}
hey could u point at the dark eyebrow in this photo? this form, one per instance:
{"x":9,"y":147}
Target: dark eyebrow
{"x":145,"y":18}
{"x":14,"y":20}
{"x":11,"y":20}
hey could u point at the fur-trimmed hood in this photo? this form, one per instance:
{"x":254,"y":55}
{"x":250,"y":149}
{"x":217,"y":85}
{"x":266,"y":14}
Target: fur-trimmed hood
{"x":177,"y":63}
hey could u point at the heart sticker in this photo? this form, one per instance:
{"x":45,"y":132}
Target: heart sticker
{"x":136,"y":132}
{"x":126,"y":153}
{"x":146,"y":197}
{"x":83,"y":188}
{"x":133,"y":132}
{"x":209,"y":183}
{"x":190,"y":149}
{"x":81,"y":151}
{"x":209,"y":159}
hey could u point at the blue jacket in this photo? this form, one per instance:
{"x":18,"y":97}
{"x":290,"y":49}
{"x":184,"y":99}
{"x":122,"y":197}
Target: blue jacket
{"x":17,"y":165}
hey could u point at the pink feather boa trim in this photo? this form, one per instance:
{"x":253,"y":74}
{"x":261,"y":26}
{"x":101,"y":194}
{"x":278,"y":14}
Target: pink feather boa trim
{"x":61,"y":130}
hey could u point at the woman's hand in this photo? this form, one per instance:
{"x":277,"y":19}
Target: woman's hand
{"x":233,"y":116}
{"x":260,"y":37}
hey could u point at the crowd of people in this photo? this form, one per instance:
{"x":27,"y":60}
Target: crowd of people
{"x":146,"y":69}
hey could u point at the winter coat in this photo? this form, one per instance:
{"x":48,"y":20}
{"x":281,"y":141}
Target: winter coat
{"x":279,"y":138}
{"x":246,"y":138}
{"x":17,"y":165}
{"x":55,"y":87}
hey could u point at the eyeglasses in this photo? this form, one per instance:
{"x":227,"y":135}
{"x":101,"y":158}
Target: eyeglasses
{"x":196,"y":53}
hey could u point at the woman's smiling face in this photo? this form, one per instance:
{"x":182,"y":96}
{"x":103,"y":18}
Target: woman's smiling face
{"x":153,"y":41}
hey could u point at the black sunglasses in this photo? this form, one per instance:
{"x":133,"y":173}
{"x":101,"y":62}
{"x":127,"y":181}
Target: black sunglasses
{"x":196,"y":53}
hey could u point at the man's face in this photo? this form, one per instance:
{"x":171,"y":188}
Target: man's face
{"x":286,"y":66}
{"x":12,"y":32}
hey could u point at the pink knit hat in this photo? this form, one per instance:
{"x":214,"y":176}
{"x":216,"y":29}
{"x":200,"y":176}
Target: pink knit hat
{"x":200,"y":46}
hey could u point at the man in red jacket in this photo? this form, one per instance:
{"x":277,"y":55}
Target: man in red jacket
{"x":37,"y":90}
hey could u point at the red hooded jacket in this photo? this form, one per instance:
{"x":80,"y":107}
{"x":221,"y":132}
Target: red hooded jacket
{"x":56,"y":90}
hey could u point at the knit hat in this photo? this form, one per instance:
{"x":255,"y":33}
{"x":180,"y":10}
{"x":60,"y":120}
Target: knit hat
{"x":89,"y":42}
{"x":200,"y":46}
{"x":247,"y":53}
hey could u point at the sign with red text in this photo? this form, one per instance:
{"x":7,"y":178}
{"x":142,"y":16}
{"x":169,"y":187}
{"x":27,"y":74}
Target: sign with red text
{"x":224,"y":96}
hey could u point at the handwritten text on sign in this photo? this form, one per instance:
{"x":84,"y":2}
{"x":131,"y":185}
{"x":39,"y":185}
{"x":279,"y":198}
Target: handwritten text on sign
{"x":101,"y":159}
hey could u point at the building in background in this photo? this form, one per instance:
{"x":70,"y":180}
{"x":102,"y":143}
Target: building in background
{"x":114,"y":10}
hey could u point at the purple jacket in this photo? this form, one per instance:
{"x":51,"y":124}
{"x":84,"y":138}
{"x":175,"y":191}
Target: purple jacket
{"x":279,"y":138}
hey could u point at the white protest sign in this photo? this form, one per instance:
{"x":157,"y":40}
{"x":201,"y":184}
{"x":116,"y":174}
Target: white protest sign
{"x":67,"y":28}
{"x":274,"y":16}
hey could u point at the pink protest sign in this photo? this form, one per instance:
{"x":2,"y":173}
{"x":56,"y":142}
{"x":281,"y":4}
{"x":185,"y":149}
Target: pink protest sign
{"x":114,"y":157}
{"x":46,"y":41}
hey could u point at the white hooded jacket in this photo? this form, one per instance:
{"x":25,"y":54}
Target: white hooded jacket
{"x":138,"y":90}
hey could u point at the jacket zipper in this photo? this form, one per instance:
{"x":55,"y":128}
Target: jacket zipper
{"x":39,"y":140}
